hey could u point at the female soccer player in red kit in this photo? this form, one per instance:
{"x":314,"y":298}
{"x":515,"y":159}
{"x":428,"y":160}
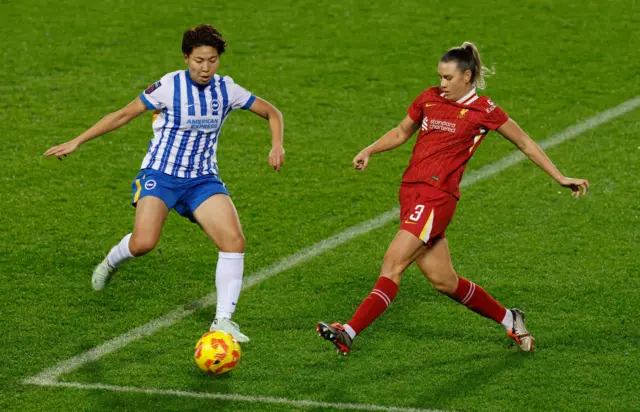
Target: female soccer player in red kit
{"x":452,"y":120}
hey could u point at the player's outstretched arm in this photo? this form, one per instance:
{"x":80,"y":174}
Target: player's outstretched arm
{"x":392,"y":139}
{"x":269,"y":112}
{"x":530,"y":148}
{"x":108,"y":123}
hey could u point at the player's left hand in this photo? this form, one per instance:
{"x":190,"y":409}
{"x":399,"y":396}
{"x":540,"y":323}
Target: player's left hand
{"x":577,"y":186}
{"x":276,"y":158}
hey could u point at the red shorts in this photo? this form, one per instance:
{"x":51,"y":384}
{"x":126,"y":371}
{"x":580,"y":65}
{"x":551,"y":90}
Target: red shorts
{"x":425,"y":211}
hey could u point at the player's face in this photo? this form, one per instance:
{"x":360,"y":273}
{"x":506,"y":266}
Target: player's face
{"x":453,"y":82}
{"x":203,"y":63}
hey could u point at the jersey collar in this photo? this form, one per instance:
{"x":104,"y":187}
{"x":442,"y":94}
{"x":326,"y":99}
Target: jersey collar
{"x":469,"y":98}
{"x":191,"y":82}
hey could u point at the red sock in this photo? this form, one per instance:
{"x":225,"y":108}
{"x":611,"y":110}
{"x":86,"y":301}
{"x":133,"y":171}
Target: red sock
{"x":478,"y":300}
{"x":377,"y":302}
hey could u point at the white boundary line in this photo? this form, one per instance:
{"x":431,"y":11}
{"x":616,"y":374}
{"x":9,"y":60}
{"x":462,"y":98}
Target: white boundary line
{"x":241,"y":398}
{"x":49,"y":376}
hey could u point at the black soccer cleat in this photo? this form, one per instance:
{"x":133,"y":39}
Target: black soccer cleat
{"x":336,"y":335}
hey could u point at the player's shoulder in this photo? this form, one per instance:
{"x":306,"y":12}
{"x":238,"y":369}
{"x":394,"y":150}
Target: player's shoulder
{"x":228,"y":80}
{"x":165,"y":82}
{"x":173,"y":74}
{"x":484,"y":103}
{"x":168,"y":78}
{"x":432,"y":93}
{"x":429,"y":94}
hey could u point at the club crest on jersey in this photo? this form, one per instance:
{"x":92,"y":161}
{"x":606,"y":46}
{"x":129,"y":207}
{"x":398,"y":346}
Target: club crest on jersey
{"x":215,"y":105}
{"x":463,"y":113}
{"x":153,"y":87}
{"x":150,"y":184}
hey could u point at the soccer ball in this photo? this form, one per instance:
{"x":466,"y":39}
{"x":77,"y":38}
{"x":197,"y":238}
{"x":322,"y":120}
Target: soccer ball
{"x":217,"y":352}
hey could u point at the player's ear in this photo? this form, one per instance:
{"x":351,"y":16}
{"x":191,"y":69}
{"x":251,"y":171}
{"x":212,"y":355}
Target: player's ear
{"x":186,"y":58}
{"x":467,"y":76}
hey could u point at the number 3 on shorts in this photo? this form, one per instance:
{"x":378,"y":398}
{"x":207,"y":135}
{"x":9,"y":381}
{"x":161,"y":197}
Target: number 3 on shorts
{"x":417,"y":213}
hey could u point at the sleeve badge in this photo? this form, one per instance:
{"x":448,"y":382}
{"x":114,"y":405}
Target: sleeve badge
{"x":153,"y":87}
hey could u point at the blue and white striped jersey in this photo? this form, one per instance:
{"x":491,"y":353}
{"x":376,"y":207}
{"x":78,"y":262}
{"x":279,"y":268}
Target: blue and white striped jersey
{"x":187,"y":122}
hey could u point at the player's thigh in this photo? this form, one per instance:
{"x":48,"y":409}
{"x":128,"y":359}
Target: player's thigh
{"x":219,"y":220}
{"x":403,"y":250}
{"x":151,"y":213}
{"x":435,"y":263}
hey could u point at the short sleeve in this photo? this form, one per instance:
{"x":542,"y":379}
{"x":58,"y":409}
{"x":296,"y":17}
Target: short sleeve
{"x":239,"y":97}
{"x":494,"y":116}
{"x":415,"y":110}
{"x":158,"y":94}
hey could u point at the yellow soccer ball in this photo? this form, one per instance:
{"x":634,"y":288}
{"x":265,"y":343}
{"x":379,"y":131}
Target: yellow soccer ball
{"x":217,"y":352}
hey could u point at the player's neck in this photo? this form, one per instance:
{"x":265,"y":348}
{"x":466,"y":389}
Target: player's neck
{"x":198,"y":85}
{"x":467,"y":95}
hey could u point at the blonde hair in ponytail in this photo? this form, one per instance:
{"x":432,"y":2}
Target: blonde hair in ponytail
{"x":484,"y":71}
{"x":467,"y":57}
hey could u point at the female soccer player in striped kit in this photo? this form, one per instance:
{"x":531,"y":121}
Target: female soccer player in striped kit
{"x":452,"y":120}
{"x":180,"y":171}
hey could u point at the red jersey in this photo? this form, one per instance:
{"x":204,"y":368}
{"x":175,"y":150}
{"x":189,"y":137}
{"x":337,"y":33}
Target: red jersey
{"x":450,"y":133}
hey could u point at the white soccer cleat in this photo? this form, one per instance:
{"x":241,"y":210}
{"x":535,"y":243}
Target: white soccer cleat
{"x":229,"y":326}
{"x":519,"y":332}
{"x":102,"y":275}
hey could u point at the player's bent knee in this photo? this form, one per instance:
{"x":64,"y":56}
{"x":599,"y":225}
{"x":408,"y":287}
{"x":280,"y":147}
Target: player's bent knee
{"x":233,"y":244}
{"x":139,"y":246}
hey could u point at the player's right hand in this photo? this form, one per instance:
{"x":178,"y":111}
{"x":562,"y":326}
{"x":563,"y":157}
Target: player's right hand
{"x":576,"y":185}
{"x":361,"y":160}
{"x":62,"y":150}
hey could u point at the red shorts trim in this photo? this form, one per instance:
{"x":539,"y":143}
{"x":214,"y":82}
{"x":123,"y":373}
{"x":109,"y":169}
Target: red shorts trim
{"x":425,"y":211}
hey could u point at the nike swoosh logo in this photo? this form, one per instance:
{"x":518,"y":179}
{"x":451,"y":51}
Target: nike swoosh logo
{"x":190,"y":105}
{"x":429,"y":105}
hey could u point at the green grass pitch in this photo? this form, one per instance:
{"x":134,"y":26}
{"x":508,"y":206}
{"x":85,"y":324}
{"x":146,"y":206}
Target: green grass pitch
{"x":342,"y":74}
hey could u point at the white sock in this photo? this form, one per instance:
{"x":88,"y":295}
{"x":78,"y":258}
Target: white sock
{"x":349,"y":330}
{"x":120,"y":253}
{"x":228,"y":282}
{"x":507,"y":322}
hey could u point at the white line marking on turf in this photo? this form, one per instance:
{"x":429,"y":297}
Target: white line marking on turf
{"x":231,"y":397}
{"x":49,"y":376}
